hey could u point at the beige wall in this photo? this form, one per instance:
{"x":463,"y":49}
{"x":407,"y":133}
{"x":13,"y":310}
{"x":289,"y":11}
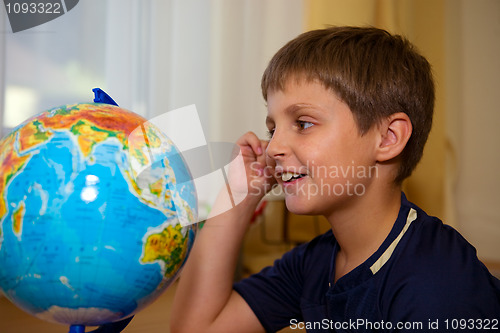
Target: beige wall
{"x":473,"y":120}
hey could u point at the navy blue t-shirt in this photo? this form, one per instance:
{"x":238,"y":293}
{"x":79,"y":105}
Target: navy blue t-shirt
{"x":425,"y":277}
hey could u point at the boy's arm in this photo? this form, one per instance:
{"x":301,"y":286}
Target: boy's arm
{"x":205,"y":300}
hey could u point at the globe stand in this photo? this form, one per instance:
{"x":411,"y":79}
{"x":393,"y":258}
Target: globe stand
{"x":116,"y":327}
{"x":77,"y":329}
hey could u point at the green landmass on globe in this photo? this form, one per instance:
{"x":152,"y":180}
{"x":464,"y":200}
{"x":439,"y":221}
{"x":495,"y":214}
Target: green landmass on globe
{"x":168,"y":246}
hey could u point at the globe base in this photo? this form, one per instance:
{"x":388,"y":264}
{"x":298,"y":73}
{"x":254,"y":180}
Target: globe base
{"x":77,"y":329}
{"x":116,"y":327}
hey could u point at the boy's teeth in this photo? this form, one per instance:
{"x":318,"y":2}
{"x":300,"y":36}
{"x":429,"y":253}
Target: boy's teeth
{"x":287,"y":176}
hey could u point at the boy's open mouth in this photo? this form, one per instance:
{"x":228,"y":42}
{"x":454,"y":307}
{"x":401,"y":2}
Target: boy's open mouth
{"x":291,"y":176}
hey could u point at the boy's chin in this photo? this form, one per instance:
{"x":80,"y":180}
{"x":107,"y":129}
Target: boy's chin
{"x":299,"y":206}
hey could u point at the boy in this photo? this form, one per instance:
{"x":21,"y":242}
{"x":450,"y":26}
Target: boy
{"x":349,"y":111}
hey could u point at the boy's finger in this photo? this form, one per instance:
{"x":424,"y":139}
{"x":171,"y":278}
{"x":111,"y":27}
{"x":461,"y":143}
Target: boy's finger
{"x":250,"y":139}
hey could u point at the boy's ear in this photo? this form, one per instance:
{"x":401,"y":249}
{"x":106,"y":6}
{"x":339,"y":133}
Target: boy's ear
{"x":395,"y":131}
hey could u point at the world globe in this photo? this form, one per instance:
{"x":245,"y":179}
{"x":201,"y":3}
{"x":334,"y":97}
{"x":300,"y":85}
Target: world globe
{"x":96,"y":214}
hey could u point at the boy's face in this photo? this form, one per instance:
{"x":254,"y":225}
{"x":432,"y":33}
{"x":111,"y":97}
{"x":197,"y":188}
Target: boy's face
{"x":320,"y":158}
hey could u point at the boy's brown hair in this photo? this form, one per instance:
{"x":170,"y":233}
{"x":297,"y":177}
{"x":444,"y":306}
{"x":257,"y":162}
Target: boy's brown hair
{"x":375,"y":73}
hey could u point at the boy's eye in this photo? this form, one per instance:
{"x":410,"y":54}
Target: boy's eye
{"x":304,"y":124}
{"x":270,"y":132}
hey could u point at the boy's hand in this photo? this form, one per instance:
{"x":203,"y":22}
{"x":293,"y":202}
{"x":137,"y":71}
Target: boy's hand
{"x":249,"y":175}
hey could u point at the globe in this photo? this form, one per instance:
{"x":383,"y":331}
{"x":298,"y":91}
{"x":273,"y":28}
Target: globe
{"x":96,"y":214}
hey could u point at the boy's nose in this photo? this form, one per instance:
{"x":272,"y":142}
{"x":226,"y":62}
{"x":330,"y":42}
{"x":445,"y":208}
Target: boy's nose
{"x":277,"y":147}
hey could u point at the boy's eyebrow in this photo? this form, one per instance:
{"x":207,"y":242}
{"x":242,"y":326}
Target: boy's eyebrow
{"x":290,"y":110}
{"x":293,"y":107}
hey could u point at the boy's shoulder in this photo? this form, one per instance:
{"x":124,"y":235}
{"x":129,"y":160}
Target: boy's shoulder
{"x":436,"y":272}
{"x":430,"y":245}
{"x":429,"y":240}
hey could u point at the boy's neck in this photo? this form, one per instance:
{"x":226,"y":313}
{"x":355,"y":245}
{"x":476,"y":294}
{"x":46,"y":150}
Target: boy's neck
{"x":361,"y":228}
